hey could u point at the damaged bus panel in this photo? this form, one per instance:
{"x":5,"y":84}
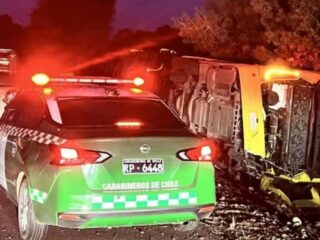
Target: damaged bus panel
{"x":266,"y":117}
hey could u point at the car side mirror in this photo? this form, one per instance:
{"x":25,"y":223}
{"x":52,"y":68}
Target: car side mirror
{"x":9,"y":96}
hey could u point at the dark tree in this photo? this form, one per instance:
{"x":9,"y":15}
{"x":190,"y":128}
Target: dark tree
{"x":286,"y":31}
{"x":11,"y":33}
{"x":80,"y":27}
{"x":223,"y":29}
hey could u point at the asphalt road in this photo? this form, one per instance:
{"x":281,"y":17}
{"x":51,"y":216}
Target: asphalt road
{"x":242,"y":213}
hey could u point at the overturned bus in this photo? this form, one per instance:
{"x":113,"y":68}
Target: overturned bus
{"x":266,"y":117}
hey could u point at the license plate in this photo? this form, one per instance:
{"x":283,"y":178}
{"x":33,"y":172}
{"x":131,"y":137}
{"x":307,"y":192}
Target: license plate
{"x":142,"y":166}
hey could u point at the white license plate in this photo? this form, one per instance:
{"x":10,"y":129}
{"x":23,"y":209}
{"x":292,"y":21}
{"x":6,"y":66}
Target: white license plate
{"x":142,"y":166}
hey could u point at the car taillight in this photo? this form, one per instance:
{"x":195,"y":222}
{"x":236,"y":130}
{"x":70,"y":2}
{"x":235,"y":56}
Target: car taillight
{"x":206,"y":153}
{"x":64,"y":156}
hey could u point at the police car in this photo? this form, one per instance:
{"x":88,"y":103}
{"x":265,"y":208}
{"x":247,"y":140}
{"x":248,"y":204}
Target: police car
{"x":83,"y":152}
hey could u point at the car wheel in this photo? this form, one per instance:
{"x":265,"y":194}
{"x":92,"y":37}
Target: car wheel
{"x":29,"y":228}
{"x":187,"y":226}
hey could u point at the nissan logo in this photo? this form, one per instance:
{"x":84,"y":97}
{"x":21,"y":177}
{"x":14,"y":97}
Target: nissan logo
{"x":145,"y":148}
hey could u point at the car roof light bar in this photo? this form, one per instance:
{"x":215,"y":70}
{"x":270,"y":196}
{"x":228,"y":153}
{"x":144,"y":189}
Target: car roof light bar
{"x":91,"y":80}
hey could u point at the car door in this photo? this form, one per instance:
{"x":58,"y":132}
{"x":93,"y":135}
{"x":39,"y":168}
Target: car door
{"x":6,"y":120}
{"x":27,"y":111}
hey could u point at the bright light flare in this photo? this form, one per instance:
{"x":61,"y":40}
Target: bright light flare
{"x":40,"y":79}
{"x":129,"y":124}
{"x":206,"y":152}
{"x":68,"y":156}
{"x":136,"y":90}
{"x":138,"y":81}
{"x":69,"y":153}
{"x":48,"y":91}
{"x":277,"y":73}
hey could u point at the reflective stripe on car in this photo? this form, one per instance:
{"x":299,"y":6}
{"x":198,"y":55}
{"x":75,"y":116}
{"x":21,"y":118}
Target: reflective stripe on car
{"x":37,"y":136}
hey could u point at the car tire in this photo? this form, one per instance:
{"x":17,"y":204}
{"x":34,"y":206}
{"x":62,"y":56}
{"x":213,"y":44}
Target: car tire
{"x":29,"y":228}
{"x":187,"y":226}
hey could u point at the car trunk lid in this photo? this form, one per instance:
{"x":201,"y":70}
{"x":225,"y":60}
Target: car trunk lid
{"x":140,"y":163}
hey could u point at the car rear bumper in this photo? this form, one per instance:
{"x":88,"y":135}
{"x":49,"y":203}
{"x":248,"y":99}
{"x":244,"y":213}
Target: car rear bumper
{"x":69,"y":194}
{"x":134,"y":217}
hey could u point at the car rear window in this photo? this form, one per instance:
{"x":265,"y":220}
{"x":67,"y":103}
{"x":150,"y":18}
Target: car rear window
{"x":106,"y":112}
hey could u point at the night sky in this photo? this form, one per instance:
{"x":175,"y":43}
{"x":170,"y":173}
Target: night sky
{"x":18,"y":9}
{"x":133,"y":14}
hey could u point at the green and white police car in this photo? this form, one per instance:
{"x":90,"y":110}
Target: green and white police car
{"x":85,"y":152}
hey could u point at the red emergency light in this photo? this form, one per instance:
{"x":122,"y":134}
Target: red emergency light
{"x":97,"y":80}
{"x":138,"y":81}
{"x":41,"y":79}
